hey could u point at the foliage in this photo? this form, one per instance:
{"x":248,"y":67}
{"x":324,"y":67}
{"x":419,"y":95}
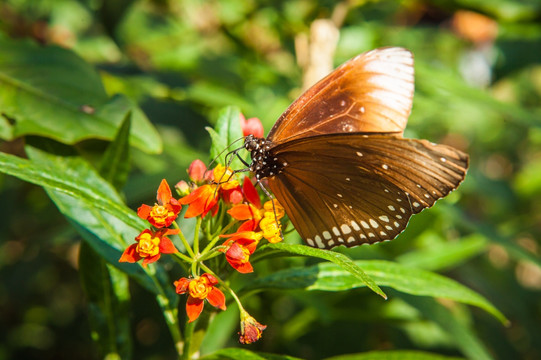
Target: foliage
{"x":100,"y":100}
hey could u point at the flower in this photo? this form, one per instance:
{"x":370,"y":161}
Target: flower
{"x":165,"y":212}
{"x":250,"y":329}
{"x":199,"y":289}
{"x":149,"y":246}
{"x":270,"y":228}
{"x":224,"y":177}
{"x":277,"y":209}
{"x":197,"y":171}
{"x":183,"y":188}
{"x":201,"y":201}
{"x":251,"y":126}
{"x":238,"y":249}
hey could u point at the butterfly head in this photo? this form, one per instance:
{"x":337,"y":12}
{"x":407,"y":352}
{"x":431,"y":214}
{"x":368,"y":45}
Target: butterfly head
{"x":264,"y":164}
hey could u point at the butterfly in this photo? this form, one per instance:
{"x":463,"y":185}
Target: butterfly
{"x":337,"y":162}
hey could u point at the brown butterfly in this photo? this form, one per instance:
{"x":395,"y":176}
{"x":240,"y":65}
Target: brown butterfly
{"x":337,"y":162}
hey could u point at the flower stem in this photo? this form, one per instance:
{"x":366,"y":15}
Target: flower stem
{"x":184,"y":241}
{"x":196,"y":235}
{"x":188,"y":337}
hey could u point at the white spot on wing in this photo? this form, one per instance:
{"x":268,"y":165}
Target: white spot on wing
{"x":355,"y":226}
{"x":345,"y":229}
{"x":327,"y":235}
{"x":359,"y":153}
{"x":365,"y":225}
{"x":336,"y":231}
{"x":374,"y":223}
{"x":384,"y":218}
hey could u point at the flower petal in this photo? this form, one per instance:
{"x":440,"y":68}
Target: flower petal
{"x":242,"y":212}
{"x":181,"y":286}
{"x":166,"y":246}
{"x":130,"y":254}
{"x":164,"y":193}
{"x":250,"y":192}
{"x":194,"y":307}
{"x":216,"y":298}
{"x":144,"y":211}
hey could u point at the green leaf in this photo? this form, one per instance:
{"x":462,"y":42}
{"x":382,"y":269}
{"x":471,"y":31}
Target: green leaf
{"x":464,"y":337}
{"x":342,"y":262}
{"x":243,"y":354}
{"x":50,"y":91}
{"x":393,"y":355}
{"x":84,"y":186}
{"x":445,"y":255}
{"x":108,"y":304}
{"x":225,"y":133}
{"x":331,"y":277}
{"x":115,"y":164}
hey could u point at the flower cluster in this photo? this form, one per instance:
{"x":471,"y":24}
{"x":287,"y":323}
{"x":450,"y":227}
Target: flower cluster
{"x":221,"y":203}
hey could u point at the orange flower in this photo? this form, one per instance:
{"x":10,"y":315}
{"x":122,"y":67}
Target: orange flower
{"x":197,"y":171}
{"x":250,"y":329}
{"x":165,"y":212}
{"x":149,"y":246}
{"x":201,"y":201}
{"x":251,"y":126}
{"x":199,"y":289}
{"x":239,"y":248}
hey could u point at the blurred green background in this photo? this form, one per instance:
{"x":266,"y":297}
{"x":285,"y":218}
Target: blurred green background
{"x":478,"y":88}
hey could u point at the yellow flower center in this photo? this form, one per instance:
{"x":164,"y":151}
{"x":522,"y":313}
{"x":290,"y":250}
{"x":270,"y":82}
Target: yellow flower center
{"x":269,"y":210}
{"x":224,"y":176}
{"x":199,"y":288}
{"x":270,"y":228}
{"x":148,"y":245}
{"x":160,"y":213}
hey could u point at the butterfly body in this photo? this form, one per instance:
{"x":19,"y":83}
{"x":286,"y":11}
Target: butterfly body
{"x":336,"y":159}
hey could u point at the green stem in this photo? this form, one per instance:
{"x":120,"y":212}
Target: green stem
{"x":225,"y":286}
{"x":183,"y":257}
{"x":210,"y":245}
{"x":196,"y":236}
{"x":188,"y":337}
{"x":184,"y":241}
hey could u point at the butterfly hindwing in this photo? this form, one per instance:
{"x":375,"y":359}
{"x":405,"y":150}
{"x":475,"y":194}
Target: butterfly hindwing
{"x":370,"y":93}
{"x":357,"y":188}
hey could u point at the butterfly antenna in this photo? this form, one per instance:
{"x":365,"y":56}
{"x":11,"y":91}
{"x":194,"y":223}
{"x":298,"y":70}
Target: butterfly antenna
{"x":224,"y":150}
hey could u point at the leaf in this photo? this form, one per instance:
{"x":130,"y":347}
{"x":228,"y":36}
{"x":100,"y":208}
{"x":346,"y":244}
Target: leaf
{"x":51,"y":92}
{"x":393,"y":355}
{"x":115,"y":164}
{"x":464,"y":338}
{"x":342,"y":262}
{"x":445,"y":255}
{"x":243,"y":354}
{"x":331,"y":277}
{"x":108,"y":304}
{"x":226,"y":132}
{"x":84,"y":186}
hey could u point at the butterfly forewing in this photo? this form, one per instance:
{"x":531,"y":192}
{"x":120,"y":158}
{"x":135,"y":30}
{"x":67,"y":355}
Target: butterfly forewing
{"x":354,"y":189}
{"x":370,"y":93}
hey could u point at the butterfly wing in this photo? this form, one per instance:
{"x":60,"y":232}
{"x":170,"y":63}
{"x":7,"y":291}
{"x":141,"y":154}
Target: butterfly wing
{"x":354,"y":189}
{"x":370,"y":93}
